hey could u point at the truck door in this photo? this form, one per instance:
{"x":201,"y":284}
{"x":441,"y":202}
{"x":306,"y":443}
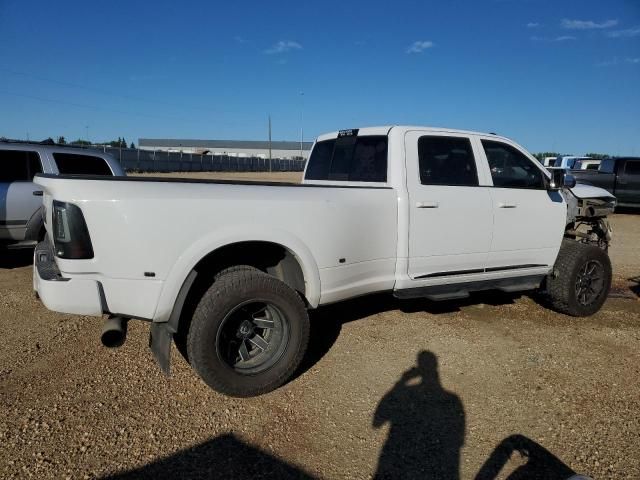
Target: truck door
{"x":17,"y":200}
{"x":628,"y":181}
{"x":450,"y":215}
{"x":528,"y":220}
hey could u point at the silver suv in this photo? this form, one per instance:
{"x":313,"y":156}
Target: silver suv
{"x":21,"y":200}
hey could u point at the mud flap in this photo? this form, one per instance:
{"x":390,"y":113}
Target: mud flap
{"x":161,"y":334}
{"x":160,"y":338}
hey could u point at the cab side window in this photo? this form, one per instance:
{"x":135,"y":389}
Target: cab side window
{"x":19,"y":165}
{"x":78,"y":164}
{"x":632,"y":167}
{"x":510,"y":168}
{"x":447,"y":161}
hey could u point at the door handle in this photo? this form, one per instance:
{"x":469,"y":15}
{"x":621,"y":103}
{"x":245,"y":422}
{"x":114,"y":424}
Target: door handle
{"x":37,"y":193}
{"x":427,"y":204}
{"x":507,"y":205}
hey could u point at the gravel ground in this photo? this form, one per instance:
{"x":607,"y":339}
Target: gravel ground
{"x":405,"y":389}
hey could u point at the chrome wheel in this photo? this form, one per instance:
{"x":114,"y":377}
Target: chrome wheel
{"x":252,"y":337}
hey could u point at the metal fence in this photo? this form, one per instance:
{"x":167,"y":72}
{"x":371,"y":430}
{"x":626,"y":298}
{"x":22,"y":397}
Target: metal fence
{"x":133,"y":159}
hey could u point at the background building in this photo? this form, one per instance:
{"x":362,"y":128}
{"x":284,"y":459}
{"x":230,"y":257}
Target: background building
{"x":232,"y":148}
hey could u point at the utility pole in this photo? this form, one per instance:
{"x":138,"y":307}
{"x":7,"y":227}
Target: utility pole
{"x":301,"y":122}
{"x":269,"y":142}
{"x":87,"y":131}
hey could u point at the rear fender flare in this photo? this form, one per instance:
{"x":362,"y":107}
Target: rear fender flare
{"x":185,"y":264}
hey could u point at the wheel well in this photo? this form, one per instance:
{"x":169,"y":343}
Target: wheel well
{"x":271,"y":258}
{"x":268,"y":257}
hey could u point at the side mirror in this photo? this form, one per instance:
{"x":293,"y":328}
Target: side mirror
{"x":560,"y":178}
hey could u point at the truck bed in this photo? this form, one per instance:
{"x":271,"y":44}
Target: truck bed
{"x":163,"y":225}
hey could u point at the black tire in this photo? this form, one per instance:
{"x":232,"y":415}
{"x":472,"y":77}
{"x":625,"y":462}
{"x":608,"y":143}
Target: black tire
{"x":569,"y":289}
{"x":216,"y":332}
{"x":235,"y":268}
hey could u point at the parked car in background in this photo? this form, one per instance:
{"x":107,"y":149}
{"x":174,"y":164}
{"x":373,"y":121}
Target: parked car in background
{"x":620,"y":176}
{"x":234,"y":266}
{"x":587,"y":164}
{"x":21,"y":222}
{"x":567,"y":161}
{"x":548,"y":161}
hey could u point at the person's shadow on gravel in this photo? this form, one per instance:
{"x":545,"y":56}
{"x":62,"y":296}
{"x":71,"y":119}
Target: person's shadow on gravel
{"x":427,"y":426}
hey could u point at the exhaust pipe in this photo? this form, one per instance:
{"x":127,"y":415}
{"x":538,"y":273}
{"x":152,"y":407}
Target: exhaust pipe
{"x":114,"y":332}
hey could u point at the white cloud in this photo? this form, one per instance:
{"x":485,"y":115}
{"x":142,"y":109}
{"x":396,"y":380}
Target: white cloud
{"x":533,"y":24}
{"x":617,"y":61}
{"x":587,"y":24}
{"x":419,"y":46}
{"x":608,"y":63}
{"x":283,"y":46}
{"x":629,"y":32}
{"x":562,"y":38}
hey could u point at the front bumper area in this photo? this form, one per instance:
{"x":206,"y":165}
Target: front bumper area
{"x":61,"y":294}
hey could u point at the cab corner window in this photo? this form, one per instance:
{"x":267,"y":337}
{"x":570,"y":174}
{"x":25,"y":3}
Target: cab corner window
{"x":349,"y":159}
{"x":510,"y":168}
{"x":447,"y":161}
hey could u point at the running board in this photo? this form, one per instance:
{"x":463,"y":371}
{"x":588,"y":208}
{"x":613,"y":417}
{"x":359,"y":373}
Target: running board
{"x":461,"y":290}
{"x":22,"y":244}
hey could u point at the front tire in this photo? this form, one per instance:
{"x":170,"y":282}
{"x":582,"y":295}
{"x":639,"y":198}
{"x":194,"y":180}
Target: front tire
{"x":248,"y":334}
{"x":581,"y":279}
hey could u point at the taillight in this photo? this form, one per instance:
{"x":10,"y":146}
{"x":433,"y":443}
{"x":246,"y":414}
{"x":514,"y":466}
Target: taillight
{"x":70,"y":234}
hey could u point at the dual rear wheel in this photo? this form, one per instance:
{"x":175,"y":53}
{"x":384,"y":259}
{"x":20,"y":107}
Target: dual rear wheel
{"x":248,"y":333}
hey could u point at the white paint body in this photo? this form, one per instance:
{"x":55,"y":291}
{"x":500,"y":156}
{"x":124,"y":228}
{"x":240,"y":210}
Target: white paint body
{"x":348,"y":241}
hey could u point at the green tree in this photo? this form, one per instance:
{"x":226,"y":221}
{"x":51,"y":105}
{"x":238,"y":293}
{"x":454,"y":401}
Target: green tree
{"x":80,"y":142}
{"x":597,"y":155}
{"x":123,"y":143}
{"x":541,"y":156}
{"x":61,"y":140}
{"x":133,"y":145}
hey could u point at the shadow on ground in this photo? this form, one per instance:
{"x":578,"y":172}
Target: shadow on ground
{"x":635,"y":285}
{"x":21,"y":257}
{"x":426,"y":425}
{"x":426,"y":435}
{"x":327,"y":321}
{"x":221,"y":457}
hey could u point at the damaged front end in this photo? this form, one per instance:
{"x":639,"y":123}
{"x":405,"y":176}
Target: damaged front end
{"x":587,"y":211}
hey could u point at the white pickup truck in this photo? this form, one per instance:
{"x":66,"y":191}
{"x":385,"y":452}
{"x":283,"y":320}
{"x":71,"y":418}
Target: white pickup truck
{"x":229,"y":269}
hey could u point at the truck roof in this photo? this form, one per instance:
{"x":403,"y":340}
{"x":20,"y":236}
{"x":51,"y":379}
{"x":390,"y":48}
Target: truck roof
{"x":385,"y":129}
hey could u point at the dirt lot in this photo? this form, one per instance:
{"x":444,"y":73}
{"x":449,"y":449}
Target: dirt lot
{"x":405,"y":389}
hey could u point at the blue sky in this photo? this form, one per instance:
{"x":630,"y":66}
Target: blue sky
{"x":558,"y":75}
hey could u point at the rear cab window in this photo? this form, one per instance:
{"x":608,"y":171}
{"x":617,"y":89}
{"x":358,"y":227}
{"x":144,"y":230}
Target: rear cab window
{"x":19,"y":165}
{"x":349,"y":158}
{"x":81,"y":164}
